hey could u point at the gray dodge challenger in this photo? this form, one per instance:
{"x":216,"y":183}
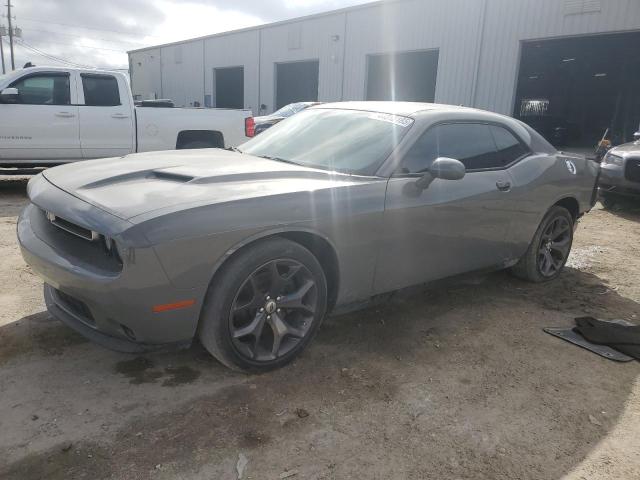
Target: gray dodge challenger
{"x":250,"y":249}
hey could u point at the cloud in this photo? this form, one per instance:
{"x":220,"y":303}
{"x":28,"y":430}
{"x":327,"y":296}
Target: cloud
{"x":99,"y":33}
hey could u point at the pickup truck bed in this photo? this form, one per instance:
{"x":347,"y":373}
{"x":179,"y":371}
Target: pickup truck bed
{"x":53,"y":115}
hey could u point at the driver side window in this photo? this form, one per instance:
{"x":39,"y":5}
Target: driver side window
{"x":45,"y":89}
{"x":473,"y":144}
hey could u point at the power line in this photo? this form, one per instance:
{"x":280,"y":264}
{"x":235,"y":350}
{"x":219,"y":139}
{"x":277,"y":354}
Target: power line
{"x":81,"y":36}
{"x":87,"y":46}
{"x":83,"y":27}
{"x":49,"y":56}
{"x":62,"y":60}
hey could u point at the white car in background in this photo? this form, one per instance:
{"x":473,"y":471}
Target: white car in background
{"x":53,"y":115}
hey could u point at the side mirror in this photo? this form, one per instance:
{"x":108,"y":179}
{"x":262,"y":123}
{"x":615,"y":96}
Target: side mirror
{"x":9,"y":95}
{"x":637,"y":135}
{"x":443,"y":168}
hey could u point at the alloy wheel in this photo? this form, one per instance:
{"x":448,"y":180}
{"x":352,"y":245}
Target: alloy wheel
{"x":555,"y":246}
{"x":273,"y":310}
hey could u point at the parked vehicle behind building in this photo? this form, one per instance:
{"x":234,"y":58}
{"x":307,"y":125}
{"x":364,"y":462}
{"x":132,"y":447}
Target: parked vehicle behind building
{"x":268,"y":121}
{"x":249,"y":249}
{"x":620,"y":175}
{"x":52,"y":115}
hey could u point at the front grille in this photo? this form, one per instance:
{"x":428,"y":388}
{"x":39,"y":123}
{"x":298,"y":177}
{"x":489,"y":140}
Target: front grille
{"x":72,"y":228}
{"x":76,"y":307}
{"x":632,"y":171}
{"x":76,"y":248}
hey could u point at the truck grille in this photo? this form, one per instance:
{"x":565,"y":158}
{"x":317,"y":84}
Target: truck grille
{"x":632,"y":171}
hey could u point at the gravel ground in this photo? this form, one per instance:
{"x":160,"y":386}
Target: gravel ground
{"x":453,"y":382}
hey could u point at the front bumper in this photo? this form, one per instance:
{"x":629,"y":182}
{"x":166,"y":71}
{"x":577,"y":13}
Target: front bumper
{"x":613,"y":181}
{"x":113,"y":307}
{"x":70,"y":316}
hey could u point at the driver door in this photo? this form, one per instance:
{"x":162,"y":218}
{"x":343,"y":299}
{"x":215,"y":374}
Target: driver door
{"x":41,"y":124}
{"x":452,"y":227}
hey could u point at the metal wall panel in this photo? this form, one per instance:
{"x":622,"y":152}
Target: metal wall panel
{"x":451,"y":26}
{"x":145,"y":74}
{"x":320,"y":38}
{"x":183,"y":73}
{"x":510,"y":22}
{"x":234,"y":50}
{"x":478,"y":41}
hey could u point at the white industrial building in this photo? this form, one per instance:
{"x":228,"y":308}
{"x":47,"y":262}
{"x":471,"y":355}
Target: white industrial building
{"x":575,"y":61}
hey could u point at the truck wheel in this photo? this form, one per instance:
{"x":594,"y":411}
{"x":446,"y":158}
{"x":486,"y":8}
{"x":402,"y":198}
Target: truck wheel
{"x":197,"y":145}
{"x":550,"y":248}
{"x":264,"y":306}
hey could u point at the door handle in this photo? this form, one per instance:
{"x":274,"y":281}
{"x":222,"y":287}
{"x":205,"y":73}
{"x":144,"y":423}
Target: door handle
{"x":65,"y":114}
{"x":503,"y":185}
{"x":119,"y":115}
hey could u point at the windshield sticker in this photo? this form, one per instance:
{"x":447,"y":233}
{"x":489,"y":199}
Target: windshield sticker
{"x":390,"y":118}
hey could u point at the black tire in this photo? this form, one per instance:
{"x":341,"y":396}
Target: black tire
{"x":545,"y":250}
{"x":237,"y":302}
{"x":196,"y":145}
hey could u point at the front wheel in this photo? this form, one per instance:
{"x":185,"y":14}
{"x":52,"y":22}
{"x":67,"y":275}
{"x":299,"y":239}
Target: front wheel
{"x":549,"y":251}
{"x":264,"y":307}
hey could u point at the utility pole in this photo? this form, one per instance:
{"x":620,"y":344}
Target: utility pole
{"x":13,"y":63}
{"x":2,"y":33}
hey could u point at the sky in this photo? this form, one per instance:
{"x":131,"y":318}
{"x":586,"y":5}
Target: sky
{"x":98,"y":33}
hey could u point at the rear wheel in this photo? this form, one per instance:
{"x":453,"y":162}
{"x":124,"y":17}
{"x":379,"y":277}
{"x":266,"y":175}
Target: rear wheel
{"x":550,"y":248}
{"x":264,"y":307}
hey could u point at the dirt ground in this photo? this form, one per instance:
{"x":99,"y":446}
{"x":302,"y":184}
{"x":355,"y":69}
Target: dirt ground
{"x":456,"y":382}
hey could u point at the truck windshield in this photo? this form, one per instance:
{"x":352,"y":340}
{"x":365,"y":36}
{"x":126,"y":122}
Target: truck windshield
{"x":347,"y":141}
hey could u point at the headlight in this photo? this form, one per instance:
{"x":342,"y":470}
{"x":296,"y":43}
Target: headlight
{"x":108,"y":243}
{"x":111,"y":248}
{"x":611,"y":159}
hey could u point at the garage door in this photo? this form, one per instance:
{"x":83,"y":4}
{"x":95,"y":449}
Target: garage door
{"x":572,"y":90}
{"x":229,"y":87}
{"x":404,"y":76}
{"x":296,"y":82}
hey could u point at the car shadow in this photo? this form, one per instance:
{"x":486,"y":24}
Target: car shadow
{"x":14,"y":193}
{"x":451,"y":381}
{"x":627,"y":208}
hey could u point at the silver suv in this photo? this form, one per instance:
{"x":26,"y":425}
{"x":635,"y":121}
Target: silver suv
{"x":620,"y":175}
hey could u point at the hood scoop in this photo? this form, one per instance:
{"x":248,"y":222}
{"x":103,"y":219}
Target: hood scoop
{"x":141,"y":176}
{"x":171,"y":176}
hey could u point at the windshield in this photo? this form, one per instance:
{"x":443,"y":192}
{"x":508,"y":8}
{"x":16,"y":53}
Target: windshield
{"x":346,"y":141}
{"x":289,"y":110}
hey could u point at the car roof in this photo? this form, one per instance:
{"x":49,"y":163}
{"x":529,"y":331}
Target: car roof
{"x":433,"y":112}
{"x":18,"y":72}
{"x":427,"y":111}
{"x":408,"y":109}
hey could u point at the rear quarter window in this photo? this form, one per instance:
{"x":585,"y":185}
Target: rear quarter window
{"x":509,"y":147}
{"x":100,"y":90}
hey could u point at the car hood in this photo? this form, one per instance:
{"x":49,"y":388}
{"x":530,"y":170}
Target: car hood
{"x":164,"y":182}
{"x":627,"y":149}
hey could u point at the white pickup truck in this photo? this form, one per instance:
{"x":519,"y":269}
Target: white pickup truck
{"x":52,"y":115}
